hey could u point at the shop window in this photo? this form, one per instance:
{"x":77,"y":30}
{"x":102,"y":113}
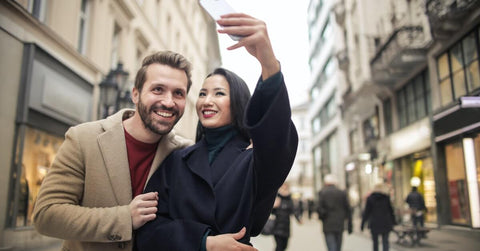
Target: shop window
{"x":38,"y":153}
{"x":457,"y":185}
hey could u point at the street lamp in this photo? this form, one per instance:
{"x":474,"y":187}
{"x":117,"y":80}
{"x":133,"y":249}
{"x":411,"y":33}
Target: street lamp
{"x":113,"y":95}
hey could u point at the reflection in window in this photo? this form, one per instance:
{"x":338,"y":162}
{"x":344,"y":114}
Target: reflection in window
{"x":457,"y":185}
{"x":38,"y":154}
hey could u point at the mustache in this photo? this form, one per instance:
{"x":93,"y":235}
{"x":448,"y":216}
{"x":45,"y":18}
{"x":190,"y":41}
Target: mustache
{"x":162,"y":107}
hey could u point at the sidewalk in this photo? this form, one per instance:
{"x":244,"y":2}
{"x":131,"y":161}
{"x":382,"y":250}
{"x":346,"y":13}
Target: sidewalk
{"x":309,"y":237}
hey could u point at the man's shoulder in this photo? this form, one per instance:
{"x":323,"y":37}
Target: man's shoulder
{"x":179,"y":141}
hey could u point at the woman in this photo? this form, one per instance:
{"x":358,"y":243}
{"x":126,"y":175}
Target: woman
{"x":379,"y":214}
{"x":283,"y":208}
{"x":213,"y":189}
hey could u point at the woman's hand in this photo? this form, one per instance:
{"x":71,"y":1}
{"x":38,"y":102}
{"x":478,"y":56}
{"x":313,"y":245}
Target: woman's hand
{"x":226,"y":242}
{"x":254,"y":38}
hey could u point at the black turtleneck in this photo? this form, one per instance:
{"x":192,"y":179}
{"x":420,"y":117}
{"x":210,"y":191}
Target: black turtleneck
{"x":216,"y":139}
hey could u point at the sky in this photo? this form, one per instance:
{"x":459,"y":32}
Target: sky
{"x":288,"y":31}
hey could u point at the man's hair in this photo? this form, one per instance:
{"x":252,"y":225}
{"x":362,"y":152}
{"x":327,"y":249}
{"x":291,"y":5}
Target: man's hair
{"x":239,"y":97}
{"x":170,"y":58}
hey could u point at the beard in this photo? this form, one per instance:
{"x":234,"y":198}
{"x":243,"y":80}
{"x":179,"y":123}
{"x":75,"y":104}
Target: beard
{"x":158,"y":127}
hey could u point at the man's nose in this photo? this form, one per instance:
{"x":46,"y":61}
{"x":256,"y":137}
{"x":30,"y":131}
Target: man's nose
{"x":167,"y":100}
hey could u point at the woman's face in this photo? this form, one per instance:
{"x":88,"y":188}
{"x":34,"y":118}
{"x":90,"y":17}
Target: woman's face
{"x":213,"y":104}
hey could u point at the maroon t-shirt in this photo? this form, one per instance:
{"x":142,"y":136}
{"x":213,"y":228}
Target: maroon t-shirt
{"x":140,"y":158}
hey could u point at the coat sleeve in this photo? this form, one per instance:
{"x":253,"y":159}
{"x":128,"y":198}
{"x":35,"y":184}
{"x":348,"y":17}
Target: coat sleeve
{"x":275,"y":141}
{"x":58,"y":211}
{"x":366,"y":212}
{"x":165,"y":232}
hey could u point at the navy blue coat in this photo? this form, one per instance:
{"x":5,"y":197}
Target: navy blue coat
{"x":189,"y":202}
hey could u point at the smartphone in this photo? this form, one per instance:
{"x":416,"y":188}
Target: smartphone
{"x":217,"y":8}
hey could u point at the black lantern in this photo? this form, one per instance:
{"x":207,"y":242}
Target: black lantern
{"x":112,"y":94}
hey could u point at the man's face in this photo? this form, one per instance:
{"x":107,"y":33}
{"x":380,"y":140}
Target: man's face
{"x":161,"y":102}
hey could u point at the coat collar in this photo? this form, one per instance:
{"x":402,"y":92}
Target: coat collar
{"x":114,"y":151}
{"x":196,"y":157}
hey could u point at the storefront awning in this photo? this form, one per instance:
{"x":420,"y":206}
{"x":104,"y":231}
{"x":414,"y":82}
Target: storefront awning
{"x":461,"y":118}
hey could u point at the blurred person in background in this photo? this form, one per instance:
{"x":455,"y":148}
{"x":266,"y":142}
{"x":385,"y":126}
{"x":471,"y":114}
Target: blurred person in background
{"x":416,"y":203}
{"x":334,"y":211}
{"x":283,"y":208}
{"x":379,"y":215}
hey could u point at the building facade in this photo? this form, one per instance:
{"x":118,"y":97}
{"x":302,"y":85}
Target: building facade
{"x":327,"y":83}
{"x":54,"y":56}
{"x":301,"y":174}
{"x":410,"y":103}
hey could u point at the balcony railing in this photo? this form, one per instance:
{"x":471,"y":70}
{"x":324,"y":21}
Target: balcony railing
{"x":402,"y":51}
{"x":446,"y":16}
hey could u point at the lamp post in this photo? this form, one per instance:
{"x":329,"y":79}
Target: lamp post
{"x":113,"y":95}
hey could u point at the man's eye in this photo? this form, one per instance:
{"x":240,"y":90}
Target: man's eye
{"x":179,"y":93}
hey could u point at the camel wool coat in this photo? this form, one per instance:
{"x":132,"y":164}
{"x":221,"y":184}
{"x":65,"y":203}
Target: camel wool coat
{"x":85,"y":195}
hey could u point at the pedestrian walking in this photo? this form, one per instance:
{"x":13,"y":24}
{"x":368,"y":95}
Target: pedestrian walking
{"x":310,"y":208}
{"x":334,"y":211}
{"x":378,"y":213}
{"x":417,"y":207}
{"x":283,"y":209}
{"x":219,"y":192}
{"x":92,"y":195}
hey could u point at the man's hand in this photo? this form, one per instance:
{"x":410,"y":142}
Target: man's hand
{"x":226,"y":242}
{"x":143,"y":208}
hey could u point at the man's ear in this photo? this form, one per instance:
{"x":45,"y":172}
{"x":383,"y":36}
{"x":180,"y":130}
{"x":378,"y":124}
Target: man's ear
{"x":135,"y":95}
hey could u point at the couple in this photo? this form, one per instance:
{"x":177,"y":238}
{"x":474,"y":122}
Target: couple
{"x":213,"y":195}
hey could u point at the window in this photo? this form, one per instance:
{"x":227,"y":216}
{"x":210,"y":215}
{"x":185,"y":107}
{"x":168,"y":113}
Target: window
{"x":316,"y":124}
{"x":458,"y":69}
{"x":39,"y":150}
{"x":354,"y":141}
{"x":413,"y":100}
{"x":370,"y":129}
{"x":38,"y":8}
{"x":115,"y":46}
{"x":387,"y":116}
{"x":83,"y":29}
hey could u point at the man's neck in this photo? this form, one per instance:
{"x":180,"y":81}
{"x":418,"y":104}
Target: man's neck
{"x":135,"y":127}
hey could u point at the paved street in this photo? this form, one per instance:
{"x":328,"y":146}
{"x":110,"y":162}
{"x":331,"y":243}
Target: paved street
{"x":308,"y":237}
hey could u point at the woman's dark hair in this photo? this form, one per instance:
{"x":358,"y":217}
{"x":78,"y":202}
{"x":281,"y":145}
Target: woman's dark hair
{"x":239,"y":97}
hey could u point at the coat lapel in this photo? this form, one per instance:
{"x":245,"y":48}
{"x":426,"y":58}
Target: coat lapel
{"x":197,"y":162}
{"x":114,"y":151}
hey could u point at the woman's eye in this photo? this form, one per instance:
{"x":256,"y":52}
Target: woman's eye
{"x":202,"y":94}
{"x":220,"y":94}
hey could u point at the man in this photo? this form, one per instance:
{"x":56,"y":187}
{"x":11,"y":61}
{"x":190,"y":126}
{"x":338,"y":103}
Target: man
{"x":416,"y":203}
{"x":333,"y":210}
{"x":86,"y":197}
